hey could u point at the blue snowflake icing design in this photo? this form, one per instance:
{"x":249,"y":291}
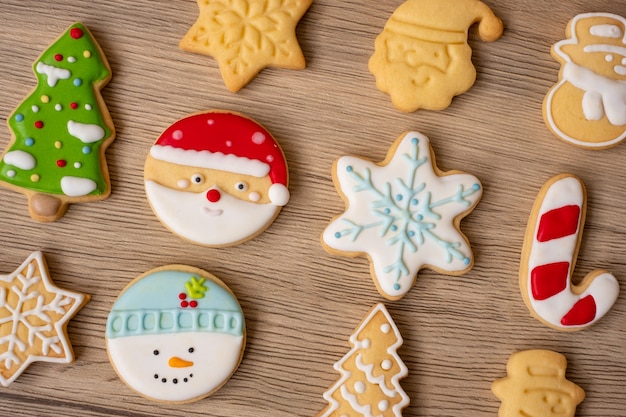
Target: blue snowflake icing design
{"x":407,"y":216}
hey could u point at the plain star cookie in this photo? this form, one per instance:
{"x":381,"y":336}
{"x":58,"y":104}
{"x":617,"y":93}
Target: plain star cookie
{"x":176,"y":334}
{"x":245,"y":36}
{"x":422,"y":58}
{"x":370,"y":372}
{"x":34,"y":314}
{"x":62,"y":129}
{"x":549,"y":256}
{"x":587,"y":107}
{"x":216,"y":178}
{"x":403,"y":214}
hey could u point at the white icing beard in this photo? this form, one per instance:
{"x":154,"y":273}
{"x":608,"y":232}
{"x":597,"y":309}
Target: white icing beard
{"x":194,"y":217}
{"x":215,"y":357}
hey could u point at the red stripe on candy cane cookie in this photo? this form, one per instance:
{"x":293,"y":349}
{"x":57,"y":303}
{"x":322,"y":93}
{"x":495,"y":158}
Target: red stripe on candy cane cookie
{"x":549,"y":255}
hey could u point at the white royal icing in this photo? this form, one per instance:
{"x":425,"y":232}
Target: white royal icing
{"x":606,"y":31}
{"x":20,"y":159}
{"x":85,"y":132}
{"x":194,"y":217}
{"x":53,"y":73}
{"x":77,"y":186}
{"x":402,"y":215}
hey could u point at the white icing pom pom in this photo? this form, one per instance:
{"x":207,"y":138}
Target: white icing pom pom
{"x":279,"y":194}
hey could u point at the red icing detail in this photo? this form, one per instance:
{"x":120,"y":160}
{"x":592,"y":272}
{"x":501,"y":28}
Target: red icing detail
{"x":182,"y":296}
{"x":548,"y":280}
{"x":228,"y":133}
{"x":583,"y":312}
{"x":73,"y":105}
{"x":38,"y":124}
{"x":76,"y":33}
{"x":558,"y":223}
{"x":193,"y":304}
{"x":213,"y":196}
{"x":184,"y":304}
{"x":58,"y":57}
{"x":61,"y":163}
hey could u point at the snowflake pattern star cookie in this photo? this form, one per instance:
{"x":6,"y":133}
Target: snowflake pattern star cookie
{"x":403,"y":214}
{"x":34,"y":314}
{"x":422,"y":58}
{"x":587,"y":107}
{"x":549,"y":256}
{"x":245,"y":36}
{"x":176,"y":334}
{"x":370,"y":372}
{"x":62,"y":129}
{"x":216,"y":178}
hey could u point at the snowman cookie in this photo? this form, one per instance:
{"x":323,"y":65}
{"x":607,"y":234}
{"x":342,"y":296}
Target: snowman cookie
{"x":216,"y":178}
{"x":176,"y":334}
{"x":587,"y":107}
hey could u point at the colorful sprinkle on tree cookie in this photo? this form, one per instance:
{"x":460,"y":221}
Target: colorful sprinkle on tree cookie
{"x":587,"y":107}
{"x":216,"y":178}
{"x":61,"y":131}
{"x":422,"y":58}
{"x":370,"y":372}
{"x":245,"y":36}
{"x":34,"y":314}
{"x":403,"y":214}
{"x":176,"y":334}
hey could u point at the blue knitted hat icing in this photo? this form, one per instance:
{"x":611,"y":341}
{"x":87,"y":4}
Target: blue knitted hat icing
{"x":175,"y":301}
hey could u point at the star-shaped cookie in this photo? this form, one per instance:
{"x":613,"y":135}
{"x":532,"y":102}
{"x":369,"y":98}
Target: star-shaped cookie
{"x":403,"y":214}
{"x":34,"y":314}
{"x":245,"y":36}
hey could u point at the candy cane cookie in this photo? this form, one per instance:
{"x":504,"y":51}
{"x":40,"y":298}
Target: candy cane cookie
{"x":549,"y":256}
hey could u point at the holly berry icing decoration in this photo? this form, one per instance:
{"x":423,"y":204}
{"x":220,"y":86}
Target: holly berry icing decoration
{"x":62,"y":129}
{"x":176,"y":334}
{"x":549,"y":256}
{"x":34,"y":314}
{"x":216,"y":178}
{"x":403,"y":214}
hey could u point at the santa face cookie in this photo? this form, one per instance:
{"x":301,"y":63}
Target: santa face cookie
{"x":403,"y":214}
{"x":176,"y":334}
{"x":216,"y":178}
{"x":587,"y":107}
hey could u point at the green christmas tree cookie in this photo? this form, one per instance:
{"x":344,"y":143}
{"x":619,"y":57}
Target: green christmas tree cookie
{"x":62,"y":129}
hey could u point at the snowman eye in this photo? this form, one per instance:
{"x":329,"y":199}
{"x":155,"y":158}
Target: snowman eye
{"x":191,"y":350}
{"x":197,"y":179}
{"x":241,"y":186}
{"x":155,"y":352}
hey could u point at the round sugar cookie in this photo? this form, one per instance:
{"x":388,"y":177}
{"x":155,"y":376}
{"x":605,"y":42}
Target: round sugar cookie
{"x":216,"y":178}
{"x":176,"y":334}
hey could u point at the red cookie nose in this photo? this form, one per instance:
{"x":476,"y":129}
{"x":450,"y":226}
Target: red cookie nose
{"x":213,"y":196}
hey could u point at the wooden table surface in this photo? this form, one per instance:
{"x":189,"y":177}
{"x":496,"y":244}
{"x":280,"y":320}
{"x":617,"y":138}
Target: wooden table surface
{"x":301,"y":304}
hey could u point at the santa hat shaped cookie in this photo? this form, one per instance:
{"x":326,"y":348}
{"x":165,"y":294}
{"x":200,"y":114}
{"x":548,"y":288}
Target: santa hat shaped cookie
{"x":216,"y":178}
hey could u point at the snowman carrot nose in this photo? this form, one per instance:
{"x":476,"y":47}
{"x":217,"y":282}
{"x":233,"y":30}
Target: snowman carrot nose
{"x":176,"y":362}
{"x":213,"y":196}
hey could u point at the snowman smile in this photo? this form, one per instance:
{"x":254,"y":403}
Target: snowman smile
{"x":174,"y":381}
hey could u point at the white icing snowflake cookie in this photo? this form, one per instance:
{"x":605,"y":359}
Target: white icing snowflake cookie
{"x":34,"y":314}
{"x":176,"y":334}
{"x":403,"y":214}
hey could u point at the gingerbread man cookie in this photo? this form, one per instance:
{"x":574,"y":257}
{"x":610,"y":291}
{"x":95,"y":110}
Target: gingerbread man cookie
{"x":403,"y":214}
{"x":422,"y":58}
{"x":587,"y":107}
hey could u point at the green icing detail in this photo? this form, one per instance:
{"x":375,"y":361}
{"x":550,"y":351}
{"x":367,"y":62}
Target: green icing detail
{"x":52,"y":163}
{"x":196,"y":288}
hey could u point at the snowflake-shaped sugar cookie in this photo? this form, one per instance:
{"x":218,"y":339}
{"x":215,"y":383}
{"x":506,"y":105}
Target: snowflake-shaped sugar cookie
{"x":33,"y":318}
{"x":404,"y":214}
{"x":245,"y":36}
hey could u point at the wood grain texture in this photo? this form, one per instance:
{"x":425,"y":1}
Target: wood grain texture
{"x":301,"y":304}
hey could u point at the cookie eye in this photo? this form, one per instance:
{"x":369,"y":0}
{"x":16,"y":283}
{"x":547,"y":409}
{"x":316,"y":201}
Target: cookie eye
{"x":241,"y":186}
{"x":197,"y":179}
{"x":191,"y":350}
{"x":155,"y":352}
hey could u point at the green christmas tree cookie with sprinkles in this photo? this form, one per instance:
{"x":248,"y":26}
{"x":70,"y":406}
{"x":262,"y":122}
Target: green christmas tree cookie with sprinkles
{"x":62,"y":129}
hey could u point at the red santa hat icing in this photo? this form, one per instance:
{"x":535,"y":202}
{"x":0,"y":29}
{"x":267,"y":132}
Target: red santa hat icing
{"x":226,"y":142}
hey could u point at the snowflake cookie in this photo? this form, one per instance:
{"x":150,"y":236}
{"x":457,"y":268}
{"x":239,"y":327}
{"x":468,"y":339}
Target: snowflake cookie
{"x":34,"y":314}
{"x":403,"y":214}
{"x":245,"y":36}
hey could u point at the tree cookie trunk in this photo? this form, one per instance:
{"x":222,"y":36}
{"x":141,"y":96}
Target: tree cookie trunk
{"x":46,"y":208}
